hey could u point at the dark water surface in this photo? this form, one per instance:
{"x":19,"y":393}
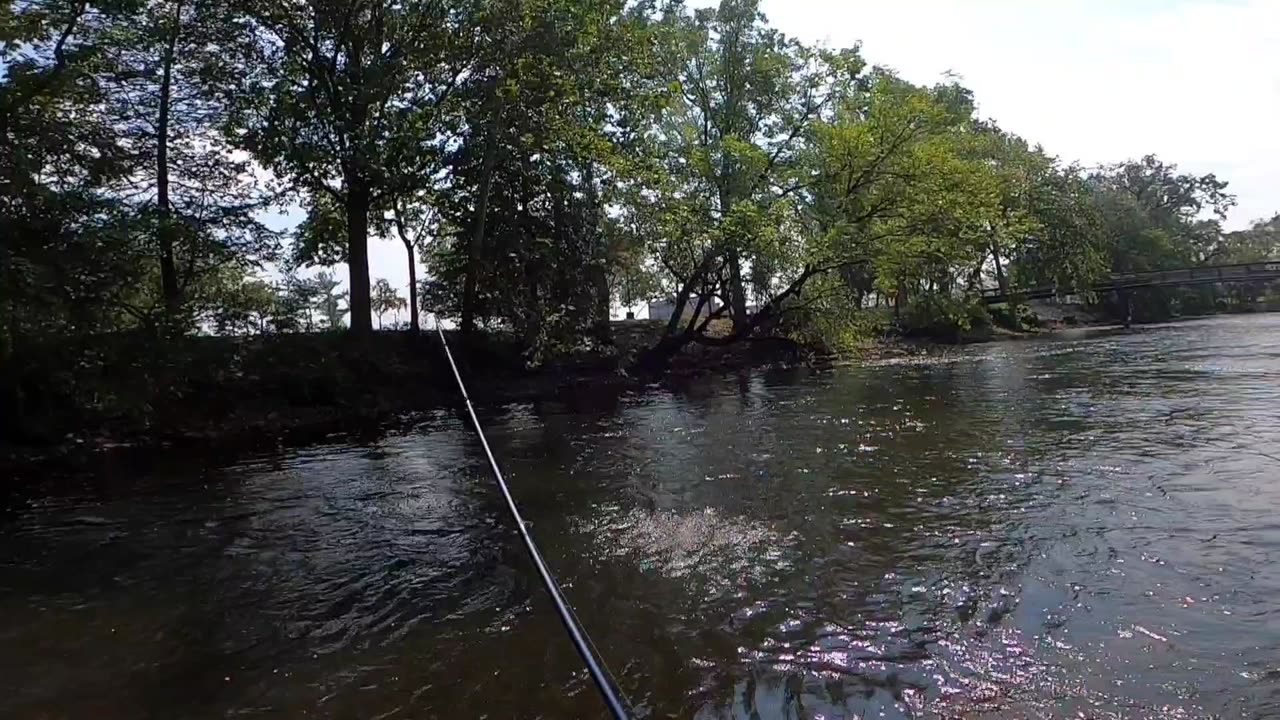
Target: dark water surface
{"x":1085,"y":527}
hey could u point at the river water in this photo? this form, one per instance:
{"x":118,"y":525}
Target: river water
{"x":1082,"y":526}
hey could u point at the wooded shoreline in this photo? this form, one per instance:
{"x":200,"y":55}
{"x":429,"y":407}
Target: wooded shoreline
{"x":72,"y":403}
{"x":252,"y":393}
{"x":261,"y":392}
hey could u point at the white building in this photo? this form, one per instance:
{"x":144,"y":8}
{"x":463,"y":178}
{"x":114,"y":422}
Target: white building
{"x":662,"y":309}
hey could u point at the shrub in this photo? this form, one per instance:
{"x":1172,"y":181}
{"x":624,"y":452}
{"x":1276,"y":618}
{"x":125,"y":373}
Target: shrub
{"x":1014,"y":317}
{"x":946,"y":318}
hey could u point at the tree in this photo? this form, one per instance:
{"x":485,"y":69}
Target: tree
{"x":1258,"y":243}
{"x":734,"y":144}
{"x":1064,"y":246}
{"x":385,"y":299}
{"x":552,"y":117}
{"x":884,"y":189}
{"x":68,"y":261}
{"x":119,"y":198}
{"x":243,"y":305}
{"x":346,"y":99}
{"x":905,"y":190}
{"x":328,"y":302}
{"x":414,"y":220}
{"x":1153,"y":215}
{"x":543,"y":159}
{"x":631,"y":280}
{"x":173,"y":63}
{"x":292,"y":307}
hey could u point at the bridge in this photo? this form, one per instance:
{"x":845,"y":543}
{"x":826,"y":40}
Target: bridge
{"x":1264,"y":271}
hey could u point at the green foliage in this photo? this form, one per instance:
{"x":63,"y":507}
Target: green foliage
{"x":69,"y":261}
{"x":834,"y":316}
{"x":545,"y":159}
{"x":244,"y":308}
{"x":118,"y":200}
{"x":294,"y":299}
{"x":386,"y":299}
{"x":1152,"y":216}
{"x":1065,"y":246}
{"x":1260,"y":242}
{"x":550,"y":121}
{"x":319,"y":240}
{"x":349,"y":102}
{"x":947,"y":319}
{"x":903,"y":188}
{"x":1015,"y":317}
{"x":328,"y":303}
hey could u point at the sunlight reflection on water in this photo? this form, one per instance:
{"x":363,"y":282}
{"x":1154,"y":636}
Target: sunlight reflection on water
{"x":1073,"y":527}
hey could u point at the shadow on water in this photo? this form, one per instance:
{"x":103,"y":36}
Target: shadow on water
{"x":1074,"y":526}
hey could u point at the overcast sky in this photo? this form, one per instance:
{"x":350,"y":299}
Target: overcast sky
{"x":1196,"y":82}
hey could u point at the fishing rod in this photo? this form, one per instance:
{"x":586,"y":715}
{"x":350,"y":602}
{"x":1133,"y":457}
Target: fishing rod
{"x":608,"y":691}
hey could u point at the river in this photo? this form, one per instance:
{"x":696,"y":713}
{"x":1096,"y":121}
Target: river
{"x":1083,"y":525}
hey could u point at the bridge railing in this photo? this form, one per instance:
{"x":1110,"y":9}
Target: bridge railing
{"x":1233,"y":272}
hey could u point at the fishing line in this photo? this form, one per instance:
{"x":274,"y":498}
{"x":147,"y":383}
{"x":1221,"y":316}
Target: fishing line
{"x":604,"y":683}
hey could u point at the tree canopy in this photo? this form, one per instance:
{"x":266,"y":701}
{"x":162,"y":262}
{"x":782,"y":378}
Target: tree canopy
{"x":545,"y":161}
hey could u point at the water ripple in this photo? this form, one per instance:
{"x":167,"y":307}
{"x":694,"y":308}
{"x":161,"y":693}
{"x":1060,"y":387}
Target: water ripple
{"x":1073,"y":527}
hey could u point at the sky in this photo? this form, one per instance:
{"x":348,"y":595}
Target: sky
{"x":1196,"y":82}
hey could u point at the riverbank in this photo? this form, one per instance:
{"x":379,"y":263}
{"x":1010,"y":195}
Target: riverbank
{"x":73,"y":400}
{"x":121,"y":392}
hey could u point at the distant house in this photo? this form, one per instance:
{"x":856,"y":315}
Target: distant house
{"x":662,"y":309}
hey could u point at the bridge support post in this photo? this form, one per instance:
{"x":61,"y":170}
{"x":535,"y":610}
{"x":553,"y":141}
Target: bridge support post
{"x":1126,"y":301}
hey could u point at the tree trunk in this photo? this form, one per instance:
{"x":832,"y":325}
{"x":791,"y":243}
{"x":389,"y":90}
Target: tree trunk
{"x":8,"y":338}
{"x":659,"y":355}
{"x":601,"y":326}
{"x":413,"y":289}
{"x":730,"y":183}
{"x":357,"y":210}
{"x":476,"y":242}
{"x":169,"y":289}
{"x":737,"y":294}
{"x":1000,"y":278}
{"x":684,"y":293}
{"x":413,"y":270}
